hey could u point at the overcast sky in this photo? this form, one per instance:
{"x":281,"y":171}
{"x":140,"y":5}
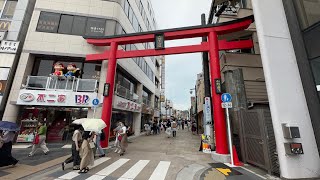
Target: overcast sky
{"x":181,"y":70}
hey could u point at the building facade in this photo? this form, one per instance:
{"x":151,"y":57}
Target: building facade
{"x":54,"y":45}
{"x":288,"y":33}
{"x":14,"y":22}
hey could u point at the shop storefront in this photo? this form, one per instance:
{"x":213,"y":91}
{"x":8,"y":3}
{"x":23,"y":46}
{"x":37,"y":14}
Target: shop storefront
{"x":123,"y":111}
{"x":146,"y":116}
{"x":55,"y":108}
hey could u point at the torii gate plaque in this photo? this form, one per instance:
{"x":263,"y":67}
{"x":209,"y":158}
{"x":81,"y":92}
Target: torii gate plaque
{"x":213,"y":46}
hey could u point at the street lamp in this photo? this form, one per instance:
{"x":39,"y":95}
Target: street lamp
{"x":196,"y":109}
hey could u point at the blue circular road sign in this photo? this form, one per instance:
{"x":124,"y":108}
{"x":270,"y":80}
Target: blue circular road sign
{"x":95,"y":102}
{"x":226,"y":97}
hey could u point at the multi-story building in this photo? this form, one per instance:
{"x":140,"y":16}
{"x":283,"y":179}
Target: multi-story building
{"x":55,"y":40}
{"x":289,"y":32}
{"x":14,"y":21}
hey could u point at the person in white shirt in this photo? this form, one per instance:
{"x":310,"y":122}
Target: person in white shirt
{"x":124,"y":139}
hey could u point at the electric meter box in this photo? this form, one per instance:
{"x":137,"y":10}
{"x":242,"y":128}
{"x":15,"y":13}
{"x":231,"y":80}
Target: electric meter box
{"x":293,"y":148}
{"x":290,"y":132}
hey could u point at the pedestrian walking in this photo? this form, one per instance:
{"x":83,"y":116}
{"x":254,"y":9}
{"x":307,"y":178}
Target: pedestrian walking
{"x":123,"y":139}
{"x":189,"y":125}
{"x":42,"y":133}
{"x":182,"y":124}
{"x":179,"y":124}
{"x":117,"y":142}
{"x":174,"y":128}
{"x":194,"y":128}
{"x":165,"y":125}
{"x":86,"y":152}
{"x":75,"y":147}
{"x":100,"y":137}
{"x":147,"y":128}
{"x":6,"y":158}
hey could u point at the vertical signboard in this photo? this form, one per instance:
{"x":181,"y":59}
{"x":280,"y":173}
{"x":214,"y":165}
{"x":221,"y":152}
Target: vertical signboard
{"x":207,"y":111}
{"x":163,"y":73}
{"x":4,"y":73}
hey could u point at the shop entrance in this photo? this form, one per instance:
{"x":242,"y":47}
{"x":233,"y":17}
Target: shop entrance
{"x":58,"y":121}
{"x":216,"y":42}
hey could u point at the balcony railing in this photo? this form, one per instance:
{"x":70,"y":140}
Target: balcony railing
{"x":126,"y":93}
{"x":61,"y":84}
{"x":146,"y":101}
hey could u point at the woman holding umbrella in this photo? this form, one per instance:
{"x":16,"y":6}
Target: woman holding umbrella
{"x":7,"y":135}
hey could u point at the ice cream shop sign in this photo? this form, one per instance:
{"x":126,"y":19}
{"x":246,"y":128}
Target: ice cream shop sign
{"x":55,"y":98}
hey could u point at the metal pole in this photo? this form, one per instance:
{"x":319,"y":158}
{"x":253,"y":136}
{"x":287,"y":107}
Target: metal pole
{"x":94,"y":112}
{"x":196,"y":116}
{"x":229,"y":136}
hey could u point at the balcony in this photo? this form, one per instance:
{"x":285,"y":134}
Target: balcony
{"x":126,"y":93}
{"x":146,"y":101}
{"x":55,"y":83}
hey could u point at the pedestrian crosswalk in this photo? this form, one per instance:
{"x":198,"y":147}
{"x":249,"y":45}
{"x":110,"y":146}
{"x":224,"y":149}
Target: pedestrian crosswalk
{"x":132,"y":170}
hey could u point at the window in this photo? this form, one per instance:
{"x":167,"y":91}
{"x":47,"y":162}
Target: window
{"x":65,"y":26}
{"x":79,"y":25}
{"x":91,"y":71}
{"x":135,"y":24}
{"x":1,"y":4}
{"x":308,"y":12}
{"x":126,"y":7}
{"x":130,"y":16}
{"x":95,"y":27}
{"x":48,"y":22}
{"x":9,"y":9}
{"x":45,"y":68}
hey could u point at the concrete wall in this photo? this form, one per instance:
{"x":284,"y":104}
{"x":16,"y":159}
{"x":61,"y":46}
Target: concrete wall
{"x":285,"y":91}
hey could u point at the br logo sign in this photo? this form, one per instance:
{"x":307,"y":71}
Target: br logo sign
{"x":82,"y":99}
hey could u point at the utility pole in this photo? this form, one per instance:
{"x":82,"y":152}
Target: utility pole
{"x":206,"y":78}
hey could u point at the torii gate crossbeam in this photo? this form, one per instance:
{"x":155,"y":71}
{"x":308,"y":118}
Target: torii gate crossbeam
{"x":213,"y":46}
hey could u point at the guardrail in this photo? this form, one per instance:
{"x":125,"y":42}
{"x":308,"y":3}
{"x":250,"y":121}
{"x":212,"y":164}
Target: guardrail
{"x":126,"y":93}
{"x":146,"y":101}
{"x":57,"y":83}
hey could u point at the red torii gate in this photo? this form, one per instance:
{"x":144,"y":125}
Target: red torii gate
{"x":213,"y":46}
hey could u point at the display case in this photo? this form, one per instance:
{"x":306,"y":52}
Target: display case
{"x":27,"y":130}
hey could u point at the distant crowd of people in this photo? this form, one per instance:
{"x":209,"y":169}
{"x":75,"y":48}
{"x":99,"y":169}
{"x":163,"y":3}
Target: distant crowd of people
{"x":169,"y":126}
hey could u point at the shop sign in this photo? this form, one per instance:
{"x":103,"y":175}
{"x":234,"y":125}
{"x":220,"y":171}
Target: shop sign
{"x":55,"y":98}
{"x":4,"y":25}
{"x":124,"y":104}
{"x":230,"y":10}
{"x":27,"y":97}
{"x":3,"y":35}
{"x":3,"y":84}
{"x":9,"y":46}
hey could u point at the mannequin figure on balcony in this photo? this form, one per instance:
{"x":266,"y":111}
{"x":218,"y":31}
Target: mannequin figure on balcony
{"x":73,"y":71}
{"x":58,"y":69}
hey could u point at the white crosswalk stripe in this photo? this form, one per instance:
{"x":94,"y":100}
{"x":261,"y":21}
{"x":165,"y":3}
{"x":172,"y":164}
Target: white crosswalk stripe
{"x":134,"y":170}
{"x":108,"y":170}
{"x":161,"y":171}
{"x":74,"y":174}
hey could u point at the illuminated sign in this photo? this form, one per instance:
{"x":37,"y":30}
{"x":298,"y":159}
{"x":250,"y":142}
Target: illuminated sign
{"x":4,"y":25}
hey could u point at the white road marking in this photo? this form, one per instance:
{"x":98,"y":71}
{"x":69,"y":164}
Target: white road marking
{"x":134,"y":170}
{"x":161,"y":171}
{"x":67,"y":146}
{"x":111,"y":168}
{"x":74,"y":174}
{"x":20,"y":146}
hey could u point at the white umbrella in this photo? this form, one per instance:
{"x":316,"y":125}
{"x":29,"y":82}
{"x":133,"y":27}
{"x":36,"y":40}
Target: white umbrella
{"x":80,"y":121}
{"x":93,"y":125}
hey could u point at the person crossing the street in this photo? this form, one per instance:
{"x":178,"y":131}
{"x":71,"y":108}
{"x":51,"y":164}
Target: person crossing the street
{"x":75,"y":147}
{"x":174,"y":128}
{"x":42,"y":133}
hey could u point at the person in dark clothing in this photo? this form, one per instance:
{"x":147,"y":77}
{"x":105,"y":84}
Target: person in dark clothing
{"x":76,"y":143}
{"x":6,"y":158}
{"x":169,"y":123}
